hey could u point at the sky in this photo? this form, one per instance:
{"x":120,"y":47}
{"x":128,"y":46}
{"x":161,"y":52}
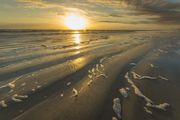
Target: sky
{"x":101,"y":14}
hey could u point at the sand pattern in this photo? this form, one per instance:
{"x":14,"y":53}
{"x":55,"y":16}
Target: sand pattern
{"x":51,"y":72}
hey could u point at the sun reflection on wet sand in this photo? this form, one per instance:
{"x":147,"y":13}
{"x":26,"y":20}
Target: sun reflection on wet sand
{"x":79,"y":62}
{"x":77,"y":47}
{"x":76,"y":38}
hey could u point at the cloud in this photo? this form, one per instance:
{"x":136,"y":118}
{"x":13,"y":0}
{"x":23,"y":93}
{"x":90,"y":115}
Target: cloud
{"x":116,"y":11}
{"x":163,"y":11}
{"x":166,"y":11}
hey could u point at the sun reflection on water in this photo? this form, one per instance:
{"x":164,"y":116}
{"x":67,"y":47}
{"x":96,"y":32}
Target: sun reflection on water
{"x":76,"y":38}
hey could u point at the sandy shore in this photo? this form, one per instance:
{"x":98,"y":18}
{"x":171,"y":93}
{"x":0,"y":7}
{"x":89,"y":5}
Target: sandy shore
{"x":85,"y":87}
{"x":90,"y":100}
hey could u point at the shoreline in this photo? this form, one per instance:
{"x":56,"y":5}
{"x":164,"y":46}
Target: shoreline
{"x":84,"y":88}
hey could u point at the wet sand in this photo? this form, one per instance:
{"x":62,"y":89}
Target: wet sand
{"x":84,"y":88}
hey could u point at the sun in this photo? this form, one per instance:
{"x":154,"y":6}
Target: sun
{"x":75,"y":22}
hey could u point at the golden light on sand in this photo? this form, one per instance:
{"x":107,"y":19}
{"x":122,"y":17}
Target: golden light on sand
{"x":77,"y":39}
{"x":75,"y":22}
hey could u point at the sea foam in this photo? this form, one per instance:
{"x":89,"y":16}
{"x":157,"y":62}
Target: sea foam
{"x":149,"y":102}
{"x":3,"y":103}
{"x":123,"y":92}
{"x":117,"y":107}
{"x":18,"y":98}
{"x":75,"y":92}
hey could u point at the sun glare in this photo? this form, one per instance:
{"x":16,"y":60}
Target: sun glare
{"x":75,"y":22}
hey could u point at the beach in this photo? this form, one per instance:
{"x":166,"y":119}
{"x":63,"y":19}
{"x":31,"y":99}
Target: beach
{"x":89,"y":75}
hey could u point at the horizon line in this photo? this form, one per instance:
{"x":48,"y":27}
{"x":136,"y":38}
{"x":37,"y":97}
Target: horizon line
{"x":36,"y":29}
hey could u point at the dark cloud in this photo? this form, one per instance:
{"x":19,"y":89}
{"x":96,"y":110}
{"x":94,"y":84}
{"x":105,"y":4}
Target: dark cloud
{"x":127,"y":22}
{"x":166,"y":11}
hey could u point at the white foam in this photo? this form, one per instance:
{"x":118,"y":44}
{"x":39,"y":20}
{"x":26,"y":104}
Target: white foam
{"x":22,"y":96}
{"x":23,"y":84}
{"x":139,"y":77}
{"x":100,"y":71}
{"x":154,"y":66}
{"x":127,"y":88}
{"x":90,"y":76}
{"x":33,"y":89}
{"x":3,"y":103}
{"x":68,"y":84}
{"x":133,"y":64}
{"x":62,"y":94}
{"x":102,"y":59}
{"x":39,"y":86}
{"x":163,"y":78}
{"x":97,"y":67}
{"x":102,"y":74}
{"x":32,"y":74}
{"x":90,"y":82}
{"x":96,"y":72}
{"x":11,"y":91}
{"x":123,"y":92}
{"x":11,"y":85}
{"x":147,"y":110}
{"x":162,"y":51}
{"x":117,"y":107}
{"x":75,"y":92}
{"x":136,"y":89}
{"x":162,"y":106}
{"x":114,"y":118}
{"x":148,"y":77}
{"x":93,"y":70}
{"x":149,"y":102}
{"x":16,"y":99}
{"x":101,"y":66}
{"x":89,"y":71}
{"x":135,"y":75}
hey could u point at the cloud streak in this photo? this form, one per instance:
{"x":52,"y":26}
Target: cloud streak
{"x":166,"y":11}
{"x":117,"y":11}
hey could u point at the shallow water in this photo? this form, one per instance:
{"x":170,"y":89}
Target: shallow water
{"x":33,"y":60}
